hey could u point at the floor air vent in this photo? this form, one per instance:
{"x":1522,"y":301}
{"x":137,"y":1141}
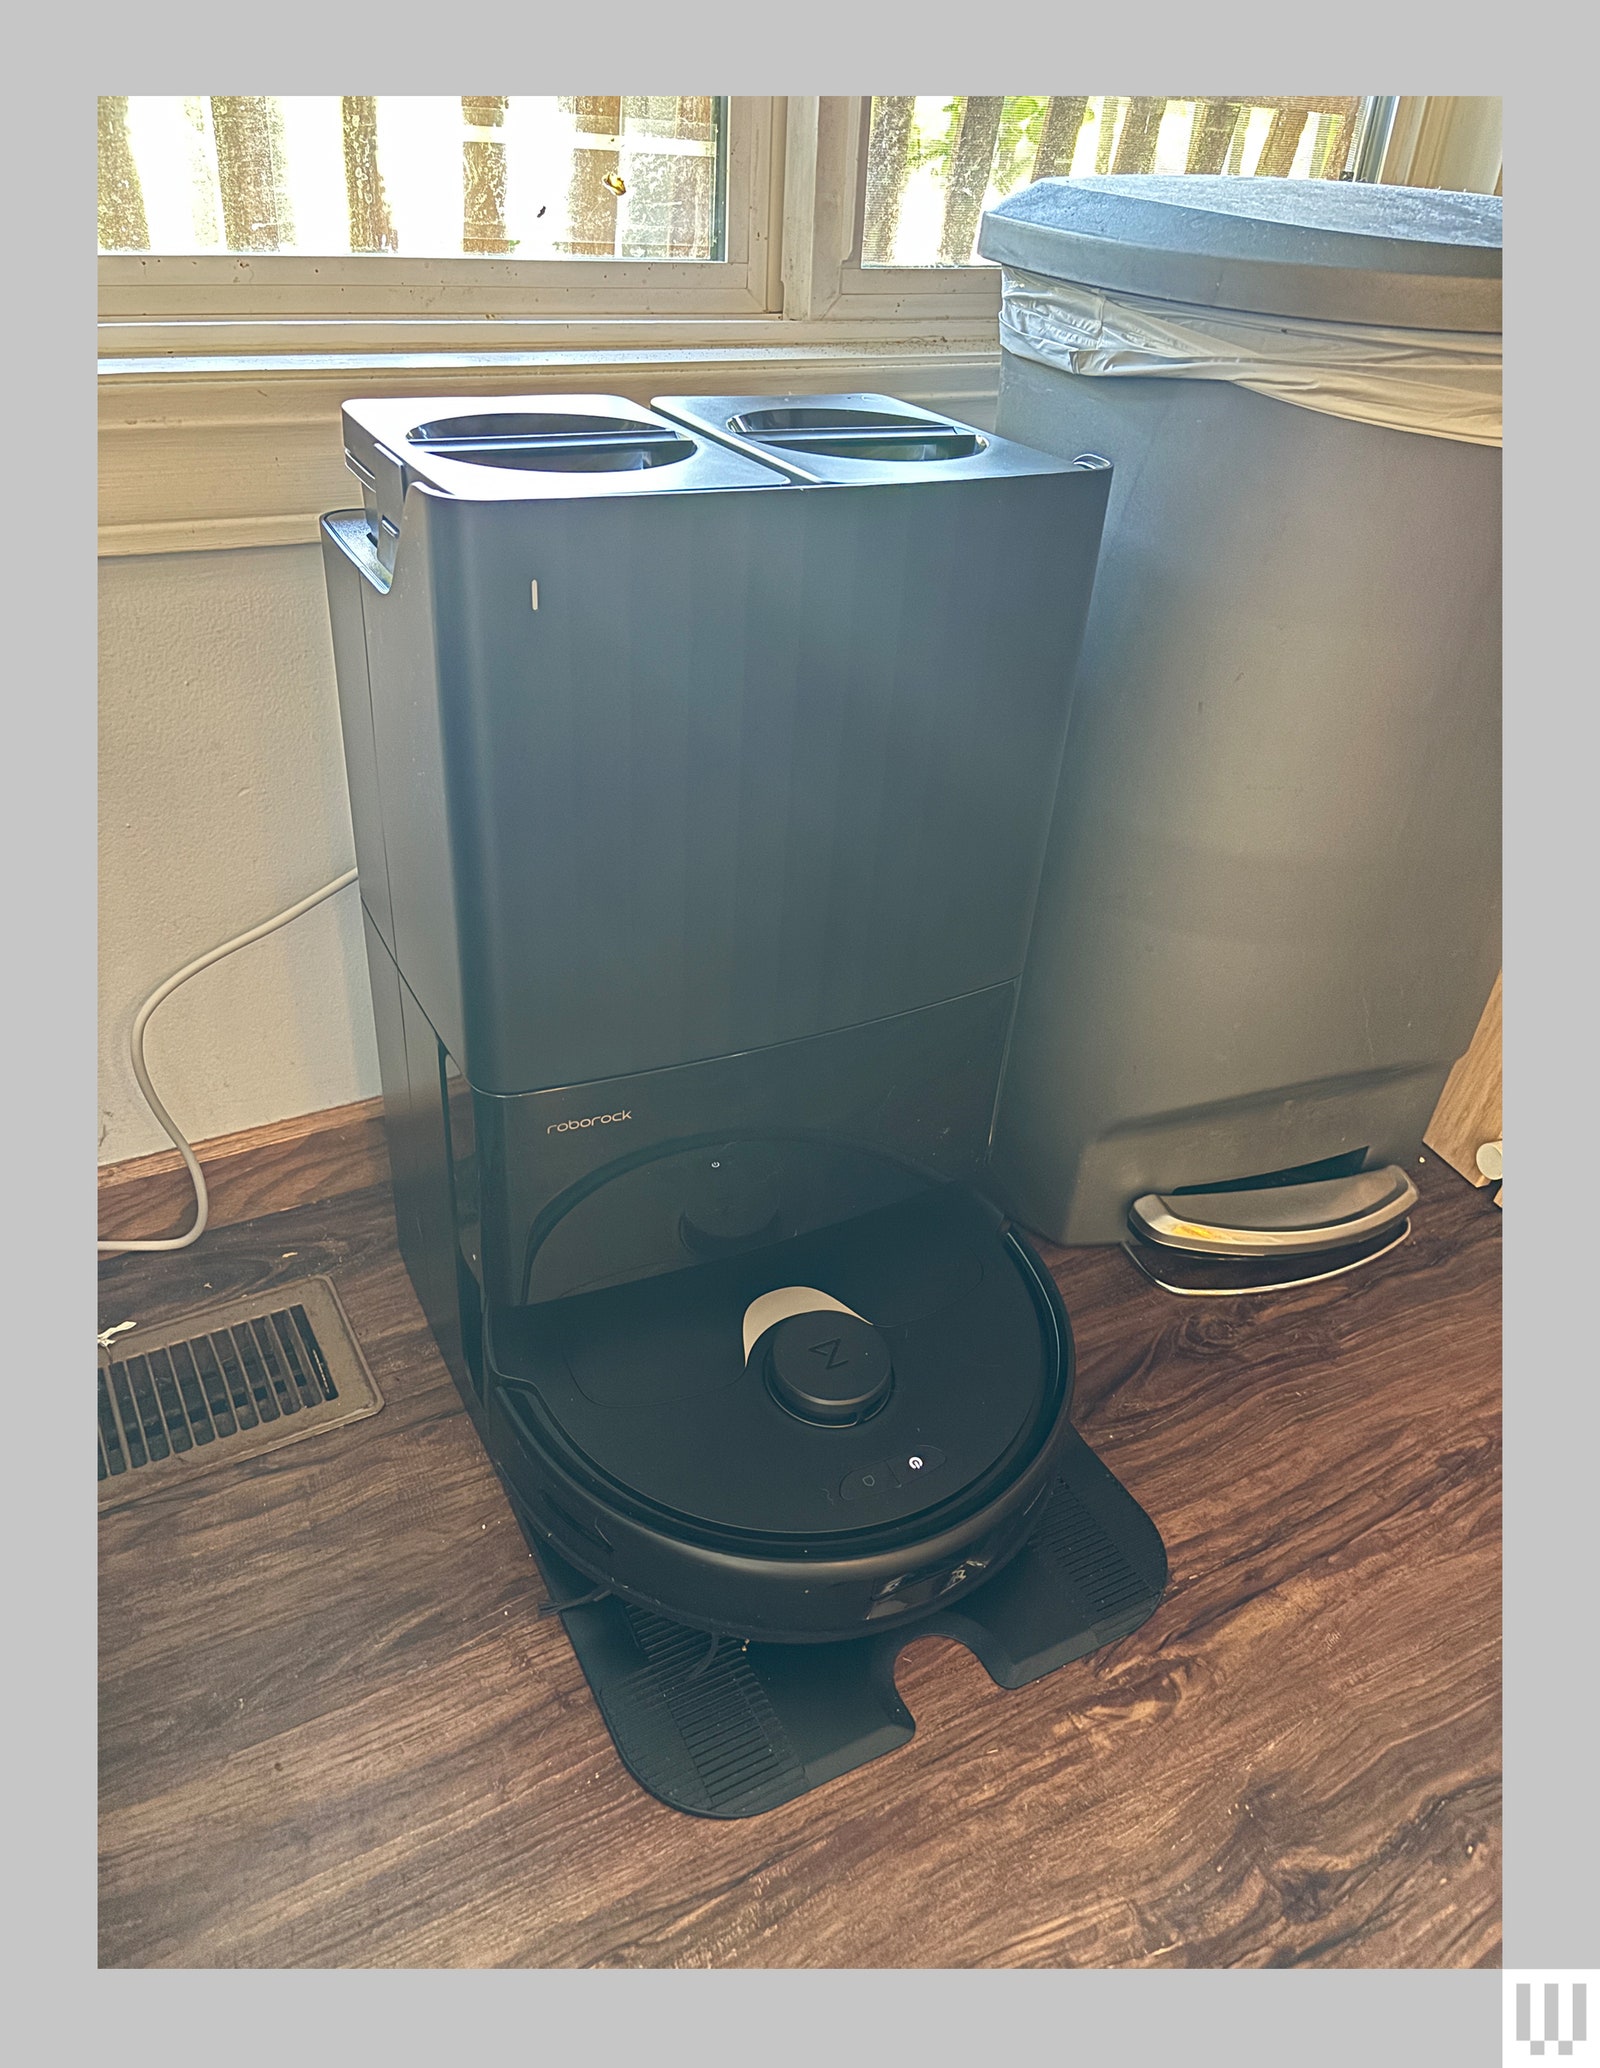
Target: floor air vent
{"x":226,"y":1382}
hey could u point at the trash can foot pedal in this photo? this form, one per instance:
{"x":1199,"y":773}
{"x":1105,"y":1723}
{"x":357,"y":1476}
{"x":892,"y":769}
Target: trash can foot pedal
{"x":1219,"y":1277}
{"x":1269,"y":1220}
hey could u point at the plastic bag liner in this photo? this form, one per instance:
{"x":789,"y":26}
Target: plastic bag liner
{"x":1440,"y":383}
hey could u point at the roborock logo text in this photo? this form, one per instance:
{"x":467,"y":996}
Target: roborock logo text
{"x":562,"y":1127}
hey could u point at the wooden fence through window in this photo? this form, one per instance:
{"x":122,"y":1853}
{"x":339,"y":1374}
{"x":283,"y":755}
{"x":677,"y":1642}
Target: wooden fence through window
{"x":237,"y":162}
{"x":1126,"y":137}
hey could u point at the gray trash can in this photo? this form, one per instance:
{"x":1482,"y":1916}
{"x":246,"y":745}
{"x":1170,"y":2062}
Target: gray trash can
{"x":1270,"y":911}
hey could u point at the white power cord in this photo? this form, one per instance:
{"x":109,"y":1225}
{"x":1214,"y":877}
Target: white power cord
{"x":136,"y":1056}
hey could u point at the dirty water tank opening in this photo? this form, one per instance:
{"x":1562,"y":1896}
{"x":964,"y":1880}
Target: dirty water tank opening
{"x":557,"y":444}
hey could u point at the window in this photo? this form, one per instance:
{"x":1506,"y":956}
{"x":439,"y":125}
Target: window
{"x":241,"y":223}
{"x":936,"y":162}
{"x":252,"y":222}
{"x":911,"y":177}
{"x":638,"y":177}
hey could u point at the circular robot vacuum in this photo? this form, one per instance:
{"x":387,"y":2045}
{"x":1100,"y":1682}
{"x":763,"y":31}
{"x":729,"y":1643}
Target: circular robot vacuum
{"x":800,"y":1442}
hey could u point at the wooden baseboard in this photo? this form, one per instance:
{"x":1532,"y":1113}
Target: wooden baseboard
{"x":260,"y":1170}
{"x":1468,"y":1112}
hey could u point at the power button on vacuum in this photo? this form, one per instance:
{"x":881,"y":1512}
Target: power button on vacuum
{"x":889,"y":1474}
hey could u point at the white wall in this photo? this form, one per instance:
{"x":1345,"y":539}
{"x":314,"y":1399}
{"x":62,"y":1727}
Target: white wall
{"x":222,"y":799}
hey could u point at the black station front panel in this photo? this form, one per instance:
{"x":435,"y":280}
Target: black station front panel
{"x":599,"y":1184}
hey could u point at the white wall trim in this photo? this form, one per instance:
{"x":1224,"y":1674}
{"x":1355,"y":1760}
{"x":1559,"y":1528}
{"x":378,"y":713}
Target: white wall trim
{"x":1450,"y":141}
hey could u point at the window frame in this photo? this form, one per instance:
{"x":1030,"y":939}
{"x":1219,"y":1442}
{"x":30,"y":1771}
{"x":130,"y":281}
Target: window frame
{"x":250,"y":302}
{"x":835,"y":283}
{"x":796,"y":199}
{"x":824,"y":228}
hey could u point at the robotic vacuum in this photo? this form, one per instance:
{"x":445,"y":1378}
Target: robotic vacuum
{"x":797,"y":1442}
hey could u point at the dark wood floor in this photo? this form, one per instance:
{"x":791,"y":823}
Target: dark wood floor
{"x":334,"y":1734}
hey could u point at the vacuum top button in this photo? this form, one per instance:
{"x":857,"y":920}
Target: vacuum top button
{"x":869,"y":1480}
{"x":828,"y":1368}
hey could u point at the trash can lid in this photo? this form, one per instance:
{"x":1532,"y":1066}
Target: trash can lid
{"x":1344,"y":250}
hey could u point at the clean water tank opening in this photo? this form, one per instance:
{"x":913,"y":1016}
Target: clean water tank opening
{"x":858,"y":434}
